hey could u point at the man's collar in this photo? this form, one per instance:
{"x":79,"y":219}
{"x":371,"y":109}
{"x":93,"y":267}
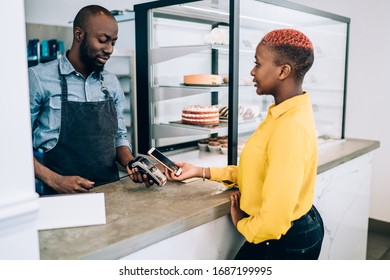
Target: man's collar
{"x":65,"y":66}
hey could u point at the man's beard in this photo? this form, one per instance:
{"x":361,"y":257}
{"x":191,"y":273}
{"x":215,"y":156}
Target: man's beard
{"x":89,"y":62}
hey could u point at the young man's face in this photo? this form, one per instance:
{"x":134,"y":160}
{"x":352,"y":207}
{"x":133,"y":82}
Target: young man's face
{"x":265,"y":73}
{"x":98,"y":42}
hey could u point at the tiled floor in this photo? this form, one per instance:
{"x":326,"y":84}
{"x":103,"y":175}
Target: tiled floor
{"x":378,"y":246}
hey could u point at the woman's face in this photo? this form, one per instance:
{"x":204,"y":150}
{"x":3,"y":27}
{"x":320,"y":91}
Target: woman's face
{"x":265,"y":73}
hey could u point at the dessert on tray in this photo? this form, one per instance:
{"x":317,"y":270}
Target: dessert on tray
{"x":200,"y":114}
{"x":203,"y":79}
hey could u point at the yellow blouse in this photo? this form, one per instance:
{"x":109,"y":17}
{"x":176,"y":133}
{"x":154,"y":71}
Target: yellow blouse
{"x":277,"y":170}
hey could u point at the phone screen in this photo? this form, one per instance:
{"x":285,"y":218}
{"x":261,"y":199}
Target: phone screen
{"x":156,"y":154}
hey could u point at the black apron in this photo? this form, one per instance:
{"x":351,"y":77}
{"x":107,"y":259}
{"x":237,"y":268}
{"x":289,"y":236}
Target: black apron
{"x":86,"y":144}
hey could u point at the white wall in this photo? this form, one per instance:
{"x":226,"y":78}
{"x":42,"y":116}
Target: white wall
{"x":367,"y":84}
{"x":18,"y":200}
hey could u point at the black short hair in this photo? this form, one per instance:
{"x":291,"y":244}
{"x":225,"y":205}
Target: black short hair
{"x":87,"y":12}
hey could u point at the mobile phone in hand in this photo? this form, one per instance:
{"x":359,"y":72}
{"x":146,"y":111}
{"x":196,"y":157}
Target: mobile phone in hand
{"x":165,"y":161}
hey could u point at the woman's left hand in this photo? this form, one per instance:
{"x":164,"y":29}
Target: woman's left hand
{"x":235,"y":211}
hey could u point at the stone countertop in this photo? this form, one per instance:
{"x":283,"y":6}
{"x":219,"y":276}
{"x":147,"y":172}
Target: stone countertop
{"x":137,"y":217}
{"x":333,"y":154}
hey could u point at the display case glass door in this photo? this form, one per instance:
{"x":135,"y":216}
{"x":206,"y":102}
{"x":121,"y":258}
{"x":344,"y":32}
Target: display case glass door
{"x":176,"y":38}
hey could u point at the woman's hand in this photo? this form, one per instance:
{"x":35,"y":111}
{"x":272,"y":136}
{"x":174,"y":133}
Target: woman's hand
{"x":188,"y":171}
{"x":235,"y":211}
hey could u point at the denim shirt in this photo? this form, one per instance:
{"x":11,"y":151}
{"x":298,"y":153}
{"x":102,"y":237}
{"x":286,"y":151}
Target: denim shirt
{"x":45,"y":99}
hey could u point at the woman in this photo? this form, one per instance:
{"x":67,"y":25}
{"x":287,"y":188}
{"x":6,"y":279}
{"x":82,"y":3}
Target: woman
{"x":277,"y":170}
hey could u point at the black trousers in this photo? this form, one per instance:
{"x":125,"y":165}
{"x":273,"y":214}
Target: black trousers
{"x":302,"y":241}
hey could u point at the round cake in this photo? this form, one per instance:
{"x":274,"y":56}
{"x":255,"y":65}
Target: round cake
{"x":208,"y":79}
{"x":200,"y":114}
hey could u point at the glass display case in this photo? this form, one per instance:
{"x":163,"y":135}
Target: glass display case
{"x":178,"y":38}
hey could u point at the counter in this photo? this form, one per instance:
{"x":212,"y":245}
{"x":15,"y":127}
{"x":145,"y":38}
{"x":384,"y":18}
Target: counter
{"x":138,"y":217}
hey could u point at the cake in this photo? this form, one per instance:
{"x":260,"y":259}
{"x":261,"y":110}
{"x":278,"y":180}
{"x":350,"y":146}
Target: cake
{"x":224,"y":148}
{"x":224,"y":112}
{"x":207,"y":79}
{"x":202,"y":144}
{"x":217,"y":36}
{"x":200,"y":114}
{"x":214,"y":146}
{"x":244,"y":112}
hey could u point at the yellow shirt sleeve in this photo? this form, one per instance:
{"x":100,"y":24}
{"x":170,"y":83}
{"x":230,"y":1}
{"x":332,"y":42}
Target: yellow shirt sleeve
{"x":226,"y":175}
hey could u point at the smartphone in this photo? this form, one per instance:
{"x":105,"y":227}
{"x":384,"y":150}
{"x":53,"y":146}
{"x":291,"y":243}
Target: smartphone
{"x":146,"y":167}
{"x":161,"y":158}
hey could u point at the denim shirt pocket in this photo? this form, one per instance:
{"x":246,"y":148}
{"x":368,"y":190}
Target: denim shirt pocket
{"x":55,"y":112}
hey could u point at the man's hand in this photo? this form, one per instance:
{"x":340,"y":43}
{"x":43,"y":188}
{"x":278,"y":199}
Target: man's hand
{"x":137,"y":177}
{"x":62,"y":184}
{"x":71,"y":184}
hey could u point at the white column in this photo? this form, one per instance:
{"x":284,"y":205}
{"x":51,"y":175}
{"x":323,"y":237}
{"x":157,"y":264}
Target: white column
{"x":18,"y":200}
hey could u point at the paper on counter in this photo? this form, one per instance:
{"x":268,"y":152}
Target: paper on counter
{"x":73,"y":210}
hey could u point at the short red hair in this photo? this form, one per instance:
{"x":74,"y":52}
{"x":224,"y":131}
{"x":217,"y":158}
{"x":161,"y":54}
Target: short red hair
{"x":290,"y":37}
{"x":293,"y":47}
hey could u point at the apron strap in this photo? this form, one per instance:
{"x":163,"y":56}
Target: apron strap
{"x":64,"y":85}
{"x":103,"y":88}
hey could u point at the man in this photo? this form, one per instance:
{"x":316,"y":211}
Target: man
{"x":77,"y":110}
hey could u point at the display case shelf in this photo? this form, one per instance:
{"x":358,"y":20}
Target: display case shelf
{"x":166,"y":130}
{"x":162,"y":54}
{"x":162,"y":93}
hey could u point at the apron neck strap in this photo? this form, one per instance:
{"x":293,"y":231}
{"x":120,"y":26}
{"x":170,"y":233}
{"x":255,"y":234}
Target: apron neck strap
{"x":64,"y":85}
{"x":103,"y":88}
